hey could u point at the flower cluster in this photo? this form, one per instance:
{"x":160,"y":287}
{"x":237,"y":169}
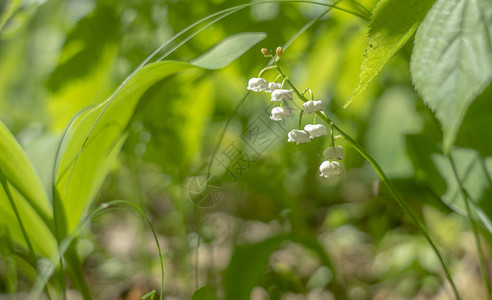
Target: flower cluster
{"x":283,"y":96}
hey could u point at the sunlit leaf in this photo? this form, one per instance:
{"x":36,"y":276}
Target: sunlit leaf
{"x":157,"y":133}
{"x":94,"y":140}
{"x":452,"y":59}
{"x":392,"y":24}
{"x":28,"y":194}
{"x":228,"y":50}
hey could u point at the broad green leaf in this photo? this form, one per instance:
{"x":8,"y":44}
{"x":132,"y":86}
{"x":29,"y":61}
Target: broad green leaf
{"x":248,"y":263}
{"x":95,"y":137}
{"x":452,"y":59}
{"x":474,"y":171}
{"x":228,"y":50}
{"x":204,"y":293}
{"x":41,"y":152}
{"x":392,"y":24}
{"x":197,"y":92}
{"x":29,"y":196}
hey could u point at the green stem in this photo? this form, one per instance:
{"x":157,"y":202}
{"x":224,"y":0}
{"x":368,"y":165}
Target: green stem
{"x":474,"y":227}
{"x":283,"y":81}
{"x":264,"y":70}
{"x":73,"y":261}
{"x":300,"y":120}
{"x":399,"y":199}
{"x":332,"y":134}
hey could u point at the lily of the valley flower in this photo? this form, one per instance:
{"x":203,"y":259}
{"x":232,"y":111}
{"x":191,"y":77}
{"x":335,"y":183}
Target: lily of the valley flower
{"x":311,"y":106}
{"x":315,"y":130}
{"x":330,"y":168}
{"x":298,"y":136}
{"x":279,"y":113}
{"x":273,"y":86}
{"x":281,"y":95}
{"x":258,"y":85}
{"x":334,"y":153}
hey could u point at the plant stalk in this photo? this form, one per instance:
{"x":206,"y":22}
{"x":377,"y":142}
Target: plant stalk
{"x":399,"y":199}
{"x":474,"y":227}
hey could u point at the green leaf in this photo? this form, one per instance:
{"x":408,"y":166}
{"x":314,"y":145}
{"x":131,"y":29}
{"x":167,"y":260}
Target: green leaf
{"x":204,"y":293}
{"x":248,"y":263}
{"x":228,"y":50}
{"x":452,"y":59}
{"x":95,"y":138}
{"x":474,"y":171}
{"x":392,"y":24}
{"x":29,"y":197}
{"x":193,"y":118}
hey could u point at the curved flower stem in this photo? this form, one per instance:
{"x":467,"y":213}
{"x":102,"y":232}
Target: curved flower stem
{"x":283,"y":81}
{"x":264,"y":70}
{"x":300,"y":120}
{"x":399,"y":199}
{"x":332,"y":133}
{"x":474,"y":227}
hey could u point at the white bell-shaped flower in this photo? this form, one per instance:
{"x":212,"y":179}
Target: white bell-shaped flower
{"x":330,"y":168}
{"x":334,"y":153}
{"x":279,"y":113}
{"x":298,"y":136}
{"x":311,"y":106}
{"x":282,"y":95}
{"x":315,"y":130}
{"x":273,"y":86}
{"x":258,"y":85}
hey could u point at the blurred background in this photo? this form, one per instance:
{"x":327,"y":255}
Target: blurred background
{"x":267,"y":220}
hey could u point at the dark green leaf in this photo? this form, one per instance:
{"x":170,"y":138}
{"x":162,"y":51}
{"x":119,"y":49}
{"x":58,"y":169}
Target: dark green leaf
{"x":474,"y":172}
{"x":248,"y":263}
{"x":204,"y":293}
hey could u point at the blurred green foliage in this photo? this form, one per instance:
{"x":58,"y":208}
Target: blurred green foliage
{"x":279,"y":229}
